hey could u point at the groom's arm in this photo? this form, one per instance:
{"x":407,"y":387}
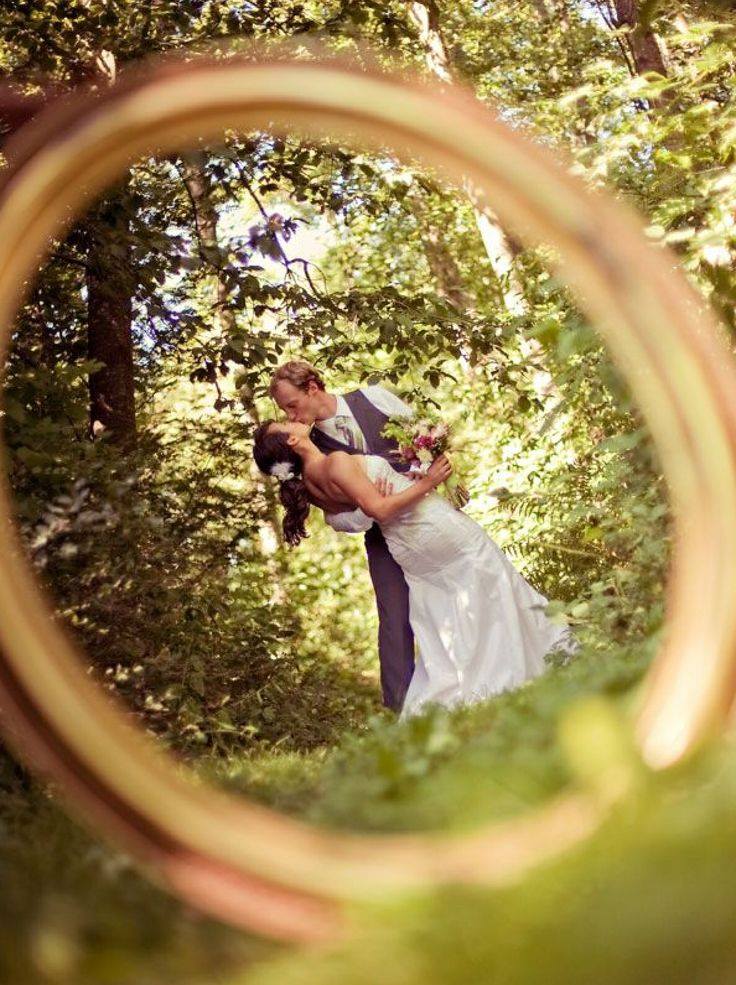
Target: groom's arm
{"x":387,"y":401}
{"x":394,"y":406}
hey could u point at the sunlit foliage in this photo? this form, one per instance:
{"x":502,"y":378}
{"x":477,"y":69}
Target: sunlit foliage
{"x":162,"y":555}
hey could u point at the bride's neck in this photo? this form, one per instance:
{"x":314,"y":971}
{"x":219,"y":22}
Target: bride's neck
{"x":311,"y":456}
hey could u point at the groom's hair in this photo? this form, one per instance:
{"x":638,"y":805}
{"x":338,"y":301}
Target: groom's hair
{"x":298,"y":373}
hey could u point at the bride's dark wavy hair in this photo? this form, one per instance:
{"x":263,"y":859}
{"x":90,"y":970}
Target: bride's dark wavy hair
{"x":269,"y":448}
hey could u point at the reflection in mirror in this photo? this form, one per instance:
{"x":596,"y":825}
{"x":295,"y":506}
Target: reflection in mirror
{"x":143,"y":366}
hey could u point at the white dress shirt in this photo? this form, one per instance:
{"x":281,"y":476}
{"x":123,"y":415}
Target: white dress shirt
{"x":381,"y":398}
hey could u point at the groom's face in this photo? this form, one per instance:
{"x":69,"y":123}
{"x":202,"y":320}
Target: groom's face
{"x":298,"y":405}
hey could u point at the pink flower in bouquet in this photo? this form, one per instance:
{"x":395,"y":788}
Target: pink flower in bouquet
{"x":419,"y":444}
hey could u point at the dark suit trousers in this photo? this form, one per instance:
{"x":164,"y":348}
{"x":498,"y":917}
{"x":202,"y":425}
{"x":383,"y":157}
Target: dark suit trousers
{"x":395,"y":638}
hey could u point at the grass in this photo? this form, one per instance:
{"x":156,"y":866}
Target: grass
{"x":442,"y":770}
{"x":648,"y":898}
{"x":75,"y":911}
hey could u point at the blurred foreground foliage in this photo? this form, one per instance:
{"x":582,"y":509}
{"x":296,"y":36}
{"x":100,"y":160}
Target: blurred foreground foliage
{"x":644,"y":896}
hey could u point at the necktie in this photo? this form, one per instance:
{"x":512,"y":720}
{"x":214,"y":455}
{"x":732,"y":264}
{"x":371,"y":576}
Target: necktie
{"x":349,"y":432}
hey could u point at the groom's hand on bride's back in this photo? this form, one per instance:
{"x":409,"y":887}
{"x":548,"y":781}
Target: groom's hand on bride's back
{"x":384,"y":486}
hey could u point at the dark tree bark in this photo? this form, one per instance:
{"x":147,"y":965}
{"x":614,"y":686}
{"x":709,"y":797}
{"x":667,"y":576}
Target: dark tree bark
{"x":645,"y":47}
{"x":110,"y":288}
{"x":16,"y":110}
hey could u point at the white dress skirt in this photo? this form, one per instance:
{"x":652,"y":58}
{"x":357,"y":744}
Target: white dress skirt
{"x":479,"y":626}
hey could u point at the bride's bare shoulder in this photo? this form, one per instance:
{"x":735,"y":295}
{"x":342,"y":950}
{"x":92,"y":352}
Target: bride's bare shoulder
{"x":338,"y":459}
{"x":341,"y":463}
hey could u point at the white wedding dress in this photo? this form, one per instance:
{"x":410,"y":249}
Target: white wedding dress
{"x":480,"y":628}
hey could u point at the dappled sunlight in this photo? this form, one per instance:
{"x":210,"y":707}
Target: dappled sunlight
{"x":139,"y":371}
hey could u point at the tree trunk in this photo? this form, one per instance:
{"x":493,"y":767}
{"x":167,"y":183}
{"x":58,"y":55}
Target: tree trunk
{"x":545,"y":9}
{"x":109,"y":322}
{"x":427,"y":19}
{"x":442,"y":263}
{"x":446,"y":271}
{"x":498,"y":249}
{"x":110,"y":290}
{"x":647,"y":51}
{"x":497,"y":244}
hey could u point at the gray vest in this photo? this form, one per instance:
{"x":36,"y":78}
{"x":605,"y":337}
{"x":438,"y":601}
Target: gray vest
{"x":370,"y":421}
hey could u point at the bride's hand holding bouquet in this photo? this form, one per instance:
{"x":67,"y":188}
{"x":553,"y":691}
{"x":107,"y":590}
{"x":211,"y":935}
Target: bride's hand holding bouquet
{"x":422,"y":442}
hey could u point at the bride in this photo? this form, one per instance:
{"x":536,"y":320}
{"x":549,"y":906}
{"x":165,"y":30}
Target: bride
{"x":480,"y":627}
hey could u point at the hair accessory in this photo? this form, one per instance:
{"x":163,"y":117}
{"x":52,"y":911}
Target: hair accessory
{"x":283,"y":471}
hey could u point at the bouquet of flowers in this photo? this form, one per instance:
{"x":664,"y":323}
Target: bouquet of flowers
{"x":420,"y":442}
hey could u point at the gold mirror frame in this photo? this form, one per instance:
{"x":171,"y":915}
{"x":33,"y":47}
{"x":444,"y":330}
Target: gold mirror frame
{"x":240,"y":861}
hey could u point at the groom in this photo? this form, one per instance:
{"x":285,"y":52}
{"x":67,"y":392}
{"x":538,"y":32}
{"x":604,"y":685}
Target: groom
{"x":352,"y":422}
